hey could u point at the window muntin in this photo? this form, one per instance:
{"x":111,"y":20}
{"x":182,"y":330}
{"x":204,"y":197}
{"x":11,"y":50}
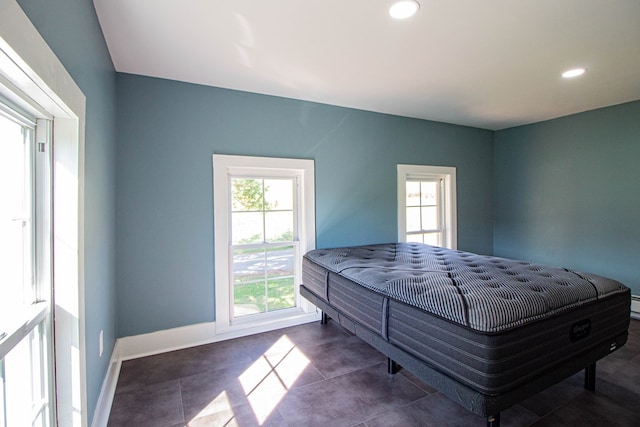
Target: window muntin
{"x":17,"y":257}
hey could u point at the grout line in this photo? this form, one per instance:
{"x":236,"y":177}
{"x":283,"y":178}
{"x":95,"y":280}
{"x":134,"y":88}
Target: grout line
{"x":418,"y":383}
{"x":535,"y":417}
{"x":406,"y":405}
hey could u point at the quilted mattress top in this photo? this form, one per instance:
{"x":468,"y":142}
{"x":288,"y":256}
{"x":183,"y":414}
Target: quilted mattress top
{"x":487,"y":294}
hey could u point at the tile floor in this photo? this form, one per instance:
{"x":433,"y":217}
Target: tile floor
{"x":313,"y":375}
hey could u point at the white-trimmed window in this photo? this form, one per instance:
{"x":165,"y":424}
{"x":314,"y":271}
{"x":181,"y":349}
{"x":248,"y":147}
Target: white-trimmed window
{"x":264,"y":222}
{"x":427,"y":205}
{"x":33,"y":79}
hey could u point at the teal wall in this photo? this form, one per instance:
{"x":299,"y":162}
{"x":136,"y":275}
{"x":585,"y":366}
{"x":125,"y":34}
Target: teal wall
{"x":168,"y":132}
{"x":71,"y":29}
{"x":567,"y":192}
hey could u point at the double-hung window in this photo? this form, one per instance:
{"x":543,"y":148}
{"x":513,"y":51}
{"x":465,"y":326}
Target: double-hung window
{"x":427,"y":205}
{"x":26,"y":380}
{"x":264,"y":223}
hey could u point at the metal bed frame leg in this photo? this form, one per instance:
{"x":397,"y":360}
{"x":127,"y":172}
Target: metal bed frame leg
{"x":493,"y":420}
{"x":392,"y":366}
{"x":325,"y":318}
{"x":590,"y":377}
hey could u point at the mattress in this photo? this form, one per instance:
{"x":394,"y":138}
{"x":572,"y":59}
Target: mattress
{"x":490,"y":323}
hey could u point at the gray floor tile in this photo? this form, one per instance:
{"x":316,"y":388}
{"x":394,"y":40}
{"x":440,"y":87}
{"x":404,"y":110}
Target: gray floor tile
{"x":438,"y":410}
{"x":417,"y":381}
{"x":341,"y":357}
{"x":178,"y":364}
{"x":241,"y":384}
{"x":348,"y":399}
{"x":157,"y":405}
{"x":239,"y":416}
{"x":591,"y":409}
{"x":623,"y":387}
{"x":211,"y":392}
{"x":431,"y":410}
{"x":617,"y":360}
{"x":555,"y":396}
{"x":257,"y":345}
{"x":313,"y":334}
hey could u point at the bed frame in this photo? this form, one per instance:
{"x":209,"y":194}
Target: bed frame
{"x":488,"y":404}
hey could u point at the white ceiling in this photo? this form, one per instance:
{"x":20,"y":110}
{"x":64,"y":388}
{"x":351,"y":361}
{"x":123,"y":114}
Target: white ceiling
{"x":491,"y":64}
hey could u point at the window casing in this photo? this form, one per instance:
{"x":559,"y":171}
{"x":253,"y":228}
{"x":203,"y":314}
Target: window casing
{"x":264,"y":221}
{"x":33,"y":78}
{"x":427,"y":205}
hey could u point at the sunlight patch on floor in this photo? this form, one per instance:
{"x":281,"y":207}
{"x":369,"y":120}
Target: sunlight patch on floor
{"x":269,"y":378}
{"x":220,"y":403}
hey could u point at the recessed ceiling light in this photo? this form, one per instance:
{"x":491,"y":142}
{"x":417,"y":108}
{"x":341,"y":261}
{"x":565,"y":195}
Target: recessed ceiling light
{"x":404,"y":9}
{"x":573,"y":73}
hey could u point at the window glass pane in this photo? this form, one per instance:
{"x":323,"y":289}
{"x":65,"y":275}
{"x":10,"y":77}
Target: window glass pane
{"x":248,"y":265}
{"x":281,"y":293}
{"x":278,"y":194}
{"x":413,"y":219}
{"x":280,"y":261}
{"x":430,"y":218}
{"x":25,"y":380}
{"x":263,"y":280}
{"x":415,"y":238}
{"x":429,"y":193}
{"x":246,"y":194}
{"x":247,"y":227}
{"x":249,"y":298}
{"x":434,"y":239}
{"x":14,"y":260}
{"x":16,"y":257}
{"x":413,"y":193}
{"x":279,"y":226}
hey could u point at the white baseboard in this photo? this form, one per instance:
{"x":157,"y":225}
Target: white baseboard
{"x":103,"y":408}
{"x":166,"y":340}
{"x":225,"y":332}
{"x":635,"y":307}
{"x":192,"y":335}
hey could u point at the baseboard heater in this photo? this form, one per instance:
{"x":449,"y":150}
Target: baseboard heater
{"x":635,"y":306}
